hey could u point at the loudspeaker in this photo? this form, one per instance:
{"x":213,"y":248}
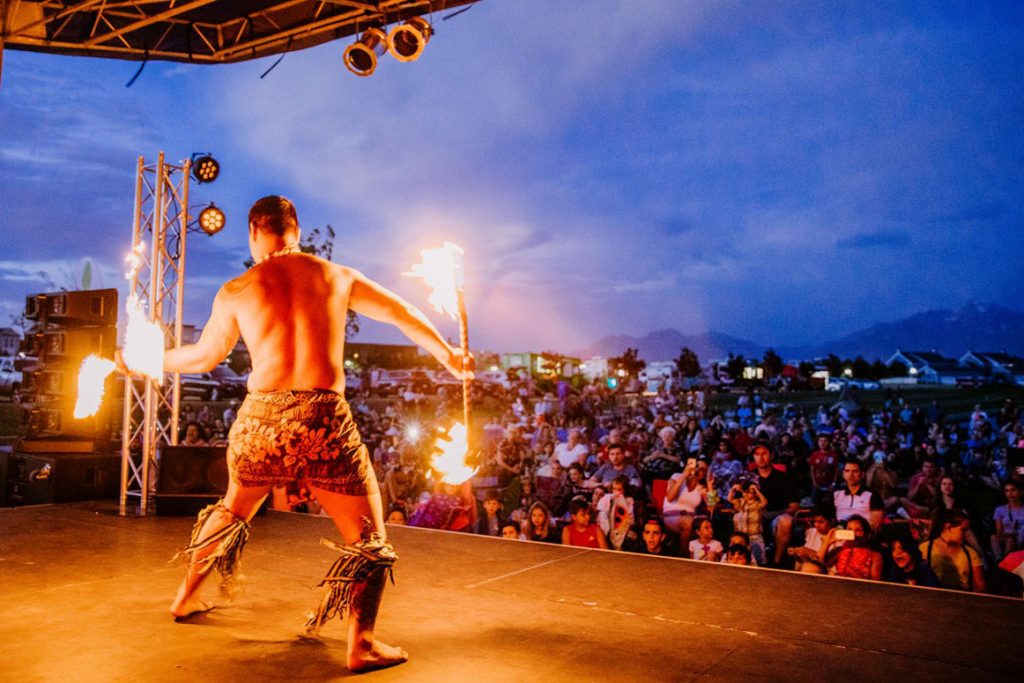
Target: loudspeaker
{"x":44,"y":478}
{"x":191,"y":477}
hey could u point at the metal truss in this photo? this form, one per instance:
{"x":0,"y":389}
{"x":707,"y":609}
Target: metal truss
{"x":202,"y":31}
{"x":159,"y":227}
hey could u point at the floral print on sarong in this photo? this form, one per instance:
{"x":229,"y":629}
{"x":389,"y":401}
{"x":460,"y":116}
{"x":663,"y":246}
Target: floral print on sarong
{"x":284,"y":436}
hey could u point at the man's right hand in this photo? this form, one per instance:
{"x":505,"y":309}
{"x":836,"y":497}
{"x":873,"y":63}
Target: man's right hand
{"x":461,"y":366}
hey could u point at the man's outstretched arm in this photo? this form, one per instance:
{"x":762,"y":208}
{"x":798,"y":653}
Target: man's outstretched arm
{"x":376,"y":302}
{"x":218,"y":338}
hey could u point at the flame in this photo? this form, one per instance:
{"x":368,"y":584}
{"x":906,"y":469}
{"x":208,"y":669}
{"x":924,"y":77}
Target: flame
{"x":441,"y":270}
{"x":449,"y":460}
{"x":143,"y":343}
{"x":91,"y":376}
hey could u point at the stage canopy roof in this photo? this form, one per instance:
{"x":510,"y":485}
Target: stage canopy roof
{"x":201,"y":31}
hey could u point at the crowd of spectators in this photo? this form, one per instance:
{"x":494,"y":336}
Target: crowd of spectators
{"x":901,"y":493}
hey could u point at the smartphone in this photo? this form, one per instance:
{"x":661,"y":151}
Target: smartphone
{"x":845,"y":535}
{"x":692,"y":462}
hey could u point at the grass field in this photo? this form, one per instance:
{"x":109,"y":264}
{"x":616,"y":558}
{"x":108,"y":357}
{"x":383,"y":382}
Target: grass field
{"x":958,"y":403}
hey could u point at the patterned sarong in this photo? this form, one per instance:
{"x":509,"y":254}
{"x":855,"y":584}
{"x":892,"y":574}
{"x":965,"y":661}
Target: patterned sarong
{"x":282,"y":436}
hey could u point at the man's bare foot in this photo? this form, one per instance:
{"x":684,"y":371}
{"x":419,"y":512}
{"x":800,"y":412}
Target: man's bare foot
{"x":379,"y":656}
{"x":185,"y":606}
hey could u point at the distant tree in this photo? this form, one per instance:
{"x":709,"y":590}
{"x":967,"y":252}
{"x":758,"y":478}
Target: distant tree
{"x":861,"y":368}
{"x":772,"y":364}
{"x":735,"y":366}
{"x":629,"y":362}
{"x":687,"y":364}
{"x":897,"y":369}
{"x":322,"y":245}
{"x":834,"y":365}
{"x":879,"y":370}
{"x":806,"y":368}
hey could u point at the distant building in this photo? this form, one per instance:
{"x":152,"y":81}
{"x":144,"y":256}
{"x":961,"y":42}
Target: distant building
{"x":931,"y":367}
{"x":10,"y":341}
{"x":997,"y":364}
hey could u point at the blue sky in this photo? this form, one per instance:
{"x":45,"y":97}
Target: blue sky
{"x":782,"y":172}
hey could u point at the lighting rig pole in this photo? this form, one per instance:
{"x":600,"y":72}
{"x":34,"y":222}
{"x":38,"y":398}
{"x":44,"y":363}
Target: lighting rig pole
{"x":158,"y":282}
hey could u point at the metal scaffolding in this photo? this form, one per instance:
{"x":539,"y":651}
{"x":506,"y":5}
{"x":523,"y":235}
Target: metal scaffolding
{"x":150,"y":409}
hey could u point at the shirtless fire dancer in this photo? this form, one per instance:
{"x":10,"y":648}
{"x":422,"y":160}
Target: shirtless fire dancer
{"x":290,"y":309}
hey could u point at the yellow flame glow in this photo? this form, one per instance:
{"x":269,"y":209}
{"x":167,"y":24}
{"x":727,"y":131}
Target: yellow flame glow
{"x":91,"y":376}
{"x":441,"y":270}
{"x":143,"y":343}
{"x":449,"y":460}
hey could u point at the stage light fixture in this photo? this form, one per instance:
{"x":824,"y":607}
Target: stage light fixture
{"x":361,"y":56}
{"x":407,"y":40}
{"x":205,"y":168}
{"x":211,"y":219}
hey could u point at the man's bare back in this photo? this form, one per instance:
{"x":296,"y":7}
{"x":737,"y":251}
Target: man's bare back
{"x":290,"y":311}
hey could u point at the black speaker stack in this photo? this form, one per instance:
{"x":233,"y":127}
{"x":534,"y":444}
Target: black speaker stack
{"x":58,"y":458}
{"x":191,"y":477}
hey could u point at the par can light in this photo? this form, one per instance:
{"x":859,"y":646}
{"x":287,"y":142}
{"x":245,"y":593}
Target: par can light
{"x":407,"y":40}
{"x":361,"y":56}
{"x":211,"y":220}
{"x":205,"y":168}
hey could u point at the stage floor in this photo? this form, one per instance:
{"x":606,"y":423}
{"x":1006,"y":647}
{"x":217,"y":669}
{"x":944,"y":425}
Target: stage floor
{"x":85,"y":595}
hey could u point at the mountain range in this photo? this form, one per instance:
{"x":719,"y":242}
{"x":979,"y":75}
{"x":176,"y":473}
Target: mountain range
{"x":975,"y":326}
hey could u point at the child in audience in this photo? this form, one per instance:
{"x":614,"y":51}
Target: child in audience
{"x":581,"y":531}
{"x":705,"y":547}
{"x":748,"y":502}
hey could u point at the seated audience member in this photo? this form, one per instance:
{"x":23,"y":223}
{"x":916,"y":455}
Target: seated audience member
{"x":510,"y":530}
{"x":685,"y":493}
{"x":489,"y":524}
{"x":780,"y":491}
{"x":856,"y":499}
{"x":906,"y":565}
{"x":655,"y":540}
{"x":739,"y":538}
{"x":724,"y":469}
{"x":1009,"y":522}
{"x":194,"y":435}
{"x":581,"y":532}
{"x":737,"y":554}
{"x":664,"y":456}
{"x":615,"y":466}
{"x":573,"y":451}
{"x":923,"y":491}
{"x":451,"y":507}
{"x":814,"y":538}
{"x":538,"y":525}
{"x":396,"y":515}
{"x":954,"y":563}
{"x":882,"y":480}
{"x":749,"y":503}
{"x":950,"y":499}
{"x":823,"y":466}
{"x":853,"y":558}
{"x":615,"y":513}
{"x":704,"y":547}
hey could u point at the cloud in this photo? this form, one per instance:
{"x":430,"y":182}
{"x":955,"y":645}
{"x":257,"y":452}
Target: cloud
{"x":881,"y":238}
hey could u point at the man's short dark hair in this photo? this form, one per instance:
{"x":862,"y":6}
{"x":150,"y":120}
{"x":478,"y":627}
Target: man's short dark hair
{"x":854,"y":461}
{"x":274,"y":214}
{"x":616,"y":445}
{"x":657,"y":520}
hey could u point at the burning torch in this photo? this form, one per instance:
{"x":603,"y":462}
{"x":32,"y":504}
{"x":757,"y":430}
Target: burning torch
{"x":443,"y":270}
